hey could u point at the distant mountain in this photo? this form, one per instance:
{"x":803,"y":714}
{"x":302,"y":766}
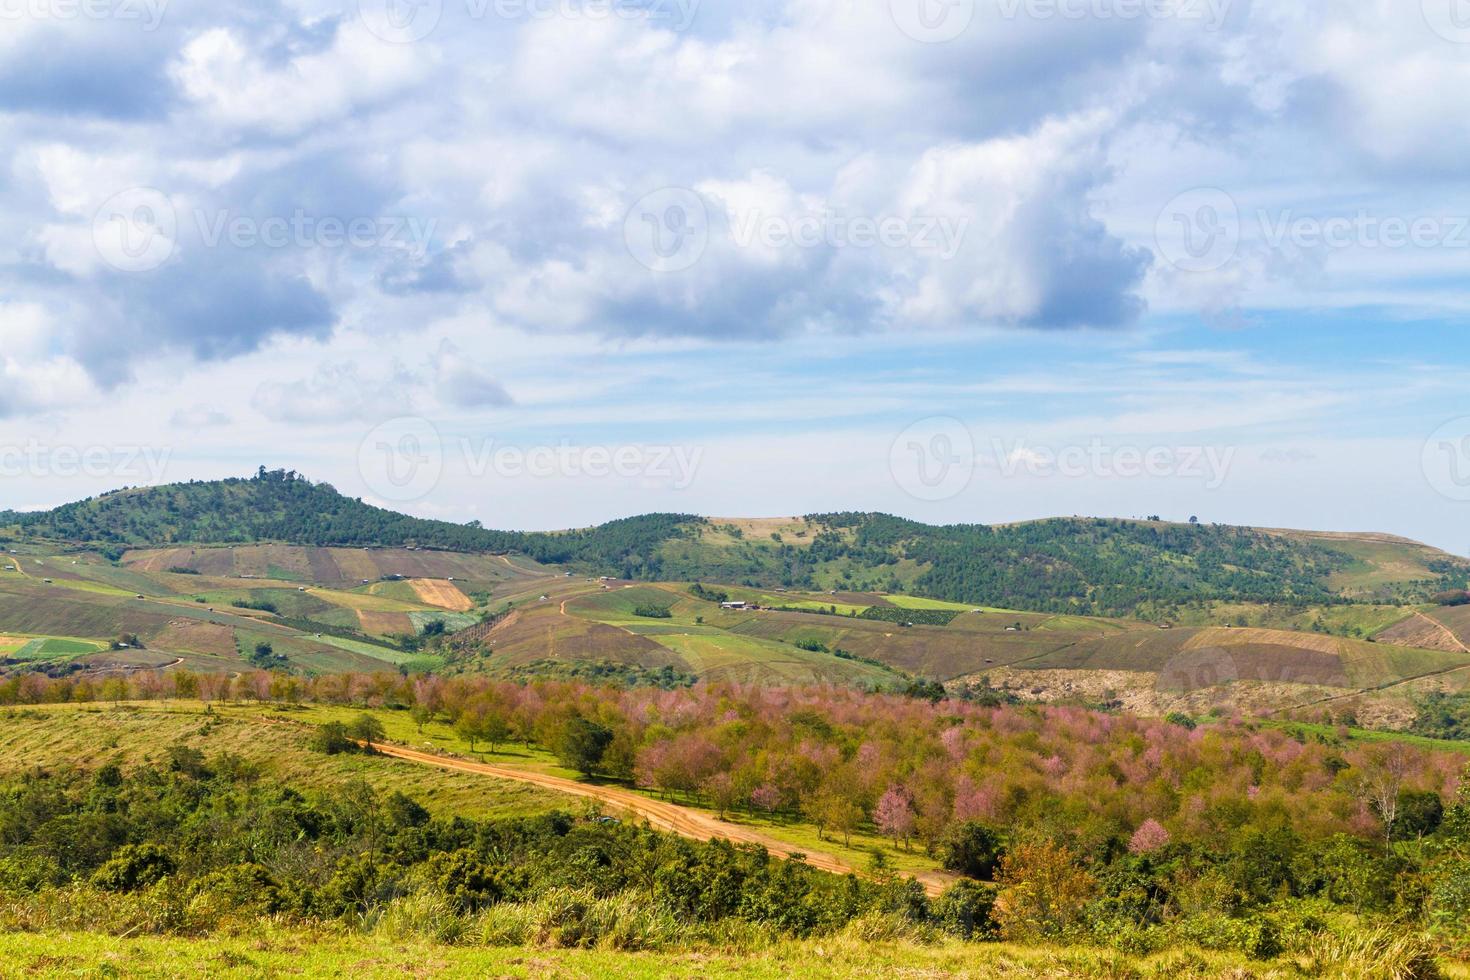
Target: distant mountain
{"x":1083,"y":565}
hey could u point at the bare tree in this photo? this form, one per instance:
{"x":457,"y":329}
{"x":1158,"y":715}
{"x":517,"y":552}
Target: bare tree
{"x":1381,"y":779}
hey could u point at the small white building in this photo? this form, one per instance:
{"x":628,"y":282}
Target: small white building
{"x":737,"y":604}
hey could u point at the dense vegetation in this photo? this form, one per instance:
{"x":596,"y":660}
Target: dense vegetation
{"x":1091,"y":566}
{"x":1075,"y":826}
{"x":206,"y":842}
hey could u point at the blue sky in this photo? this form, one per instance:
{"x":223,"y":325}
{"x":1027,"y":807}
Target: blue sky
{"x":542,"y":263}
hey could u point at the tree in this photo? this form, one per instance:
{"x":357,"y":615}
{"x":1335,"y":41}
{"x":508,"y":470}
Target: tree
{"x":1149,"y":837}
{"x":970,"y":848}
{"x":367,"y":729}
{"x":1418,"y":814}
{"x":467,"y":727}
{"x":421,"y":714}
{"x":1381,"y":778}
{"x":331,"y":739}
{"x":895,"y":816}
{"x":581,"y":743}
{"x":1043,"y":892}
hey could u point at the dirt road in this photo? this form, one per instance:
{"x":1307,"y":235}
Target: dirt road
{"x":664,"y":816}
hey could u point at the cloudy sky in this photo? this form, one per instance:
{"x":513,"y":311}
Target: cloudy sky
{"x":542,"y":263}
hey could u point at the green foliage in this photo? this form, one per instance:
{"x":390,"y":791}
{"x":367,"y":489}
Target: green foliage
{"x":366,"y":728}
{"x":708,"y":595}
{"x":970,"y":848}
{"x":581,"y":744}
{"x":280,"y":505}
{"x":964,"y":910}
{"x":916,"y":617}
{"x":601,"y":672}
{"x":651,"y":611}
{"x":1418,"y":814}
{"x":1443,"y":715}
{"x":134,"y":866}
{"x":1096,"y":566}
{"x":199,"y":853}
{"x":332,"y":739}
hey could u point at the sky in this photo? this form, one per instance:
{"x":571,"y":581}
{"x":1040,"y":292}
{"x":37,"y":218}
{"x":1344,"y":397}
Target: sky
{"x":545,"y":263}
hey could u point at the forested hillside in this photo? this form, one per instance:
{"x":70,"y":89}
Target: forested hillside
{"x":1094,"y":565}
{"x":1076,"y":565}
{"x":283,"y":506}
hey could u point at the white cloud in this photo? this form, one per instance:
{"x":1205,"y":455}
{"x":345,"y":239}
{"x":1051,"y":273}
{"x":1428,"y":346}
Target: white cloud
{"x":234,"y":87}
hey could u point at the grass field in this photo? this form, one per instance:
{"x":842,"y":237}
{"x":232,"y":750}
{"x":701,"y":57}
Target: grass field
{"x":745,"y":658}
{"x":68,"y":736}
{"x":370,"y":954}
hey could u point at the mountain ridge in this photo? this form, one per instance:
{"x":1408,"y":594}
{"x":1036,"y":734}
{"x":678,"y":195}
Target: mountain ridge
{"x":1064,"y":564}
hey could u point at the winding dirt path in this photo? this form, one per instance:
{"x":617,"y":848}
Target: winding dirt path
{"x":664,"y":816}
{"x":1442,"y":628}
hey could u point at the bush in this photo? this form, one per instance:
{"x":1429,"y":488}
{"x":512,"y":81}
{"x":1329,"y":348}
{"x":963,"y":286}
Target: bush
{"x":971,"y":849}
{"x":247,"y":888}
{"x":964,"y":910}
{"x":581,"y":745}
{"x":331,"y":738}
{"x":367,"y":728}
{"x":1043,"y":892}
{"x":134,"y":866}
{"x":649,"y":611}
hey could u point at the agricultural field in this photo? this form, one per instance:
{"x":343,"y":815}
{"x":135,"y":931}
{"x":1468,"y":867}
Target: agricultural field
{"x":186,"y":608}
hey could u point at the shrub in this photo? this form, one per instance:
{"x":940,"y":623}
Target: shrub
{"x":970,"y":848}
{"x":331,"y":738}
{"x":247,"y":888}
{"x":1043,"y":892}
{"x":964,"y":910}
{"x":134,"y":866}
{"x":367,"y":728}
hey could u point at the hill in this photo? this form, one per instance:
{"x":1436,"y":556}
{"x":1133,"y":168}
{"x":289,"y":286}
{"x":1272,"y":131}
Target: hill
{"x":285,"y":507}
{"x":1086,"y":566}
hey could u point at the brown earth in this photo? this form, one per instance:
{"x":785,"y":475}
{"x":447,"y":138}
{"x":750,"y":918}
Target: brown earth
{"x":443,"y":594}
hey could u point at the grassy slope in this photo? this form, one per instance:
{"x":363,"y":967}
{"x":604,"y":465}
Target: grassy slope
{"x":63,"y":736}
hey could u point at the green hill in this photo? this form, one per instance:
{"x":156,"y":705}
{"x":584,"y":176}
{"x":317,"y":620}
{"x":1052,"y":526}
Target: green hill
{"x":1087,"y":566}
{"x":282,"y":506}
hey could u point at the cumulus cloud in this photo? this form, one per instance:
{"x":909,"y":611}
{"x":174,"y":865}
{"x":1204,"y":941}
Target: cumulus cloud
{"x":501,"y":162}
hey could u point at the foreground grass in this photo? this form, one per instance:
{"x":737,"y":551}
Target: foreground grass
{"x":337,"y":954}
